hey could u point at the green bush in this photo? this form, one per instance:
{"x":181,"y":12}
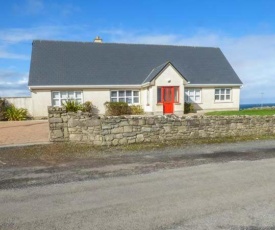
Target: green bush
{"x":87,"y":106}
{"x":136,"y":110}
{"x":117,"y":108}
{"x":72,"y":106}
{"x":15,"y":114}
{"x":188,"y":107}
{"x":2,"y":109}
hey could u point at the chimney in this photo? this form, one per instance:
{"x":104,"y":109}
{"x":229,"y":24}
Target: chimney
{"x":97,"y":39}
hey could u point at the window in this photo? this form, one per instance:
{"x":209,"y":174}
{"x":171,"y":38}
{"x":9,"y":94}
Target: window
{"x":129,"y":96}
{"x":193,"y":95}
{"x":222,"y":94}
{"x":59,"y":97}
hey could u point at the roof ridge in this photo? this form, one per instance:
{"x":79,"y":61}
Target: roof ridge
{"x":130,"y":44}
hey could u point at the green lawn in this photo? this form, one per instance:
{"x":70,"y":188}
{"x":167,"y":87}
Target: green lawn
{"x":258,"y":112}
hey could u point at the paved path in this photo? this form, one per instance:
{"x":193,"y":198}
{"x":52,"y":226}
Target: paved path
{"x":234,"y":195}
{"x":23,"y":132}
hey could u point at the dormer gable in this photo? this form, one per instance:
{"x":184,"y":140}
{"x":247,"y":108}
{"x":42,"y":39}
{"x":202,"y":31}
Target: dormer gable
{"x":159,"y":70}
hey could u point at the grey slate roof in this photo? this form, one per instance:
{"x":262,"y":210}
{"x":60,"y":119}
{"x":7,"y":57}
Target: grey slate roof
{"x":87,"y":63}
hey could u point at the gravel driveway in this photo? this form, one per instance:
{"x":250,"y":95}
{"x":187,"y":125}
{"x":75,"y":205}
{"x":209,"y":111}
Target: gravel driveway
{"x":24,"y":132}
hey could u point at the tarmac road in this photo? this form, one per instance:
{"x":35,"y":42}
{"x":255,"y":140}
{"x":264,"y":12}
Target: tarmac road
{"x":231,"y":195}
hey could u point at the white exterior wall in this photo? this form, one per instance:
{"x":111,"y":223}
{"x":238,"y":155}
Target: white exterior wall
{"x":147,"y":99}
{"x":41,"y":99}
{"x":208,"y":100}
{"x":169,"y":77}
{"x":98,"y":97}
{"x":21,"y":102}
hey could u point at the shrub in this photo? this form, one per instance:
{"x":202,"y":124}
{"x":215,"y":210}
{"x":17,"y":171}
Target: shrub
{"x":136,"y":110}
{"x":87,"y":106}
{"x":2,"y":109}
{"x":15,"y":114}
{"x":117,"y":108}
{"x":188,"y":107}
{"x":72,"y":106}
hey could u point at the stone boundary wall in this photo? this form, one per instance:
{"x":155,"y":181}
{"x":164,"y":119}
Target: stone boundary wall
{"x":83,"y":127}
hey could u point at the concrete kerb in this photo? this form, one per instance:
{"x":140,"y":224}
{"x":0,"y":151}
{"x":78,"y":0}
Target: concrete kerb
{"x":25,"y":144}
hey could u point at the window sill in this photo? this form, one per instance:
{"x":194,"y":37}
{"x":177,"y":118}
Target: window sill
{"x":223,"y":102}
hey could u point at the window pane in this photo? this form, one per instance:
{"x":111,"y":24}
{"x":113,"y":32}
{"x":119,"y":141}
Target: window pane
{"x":197,"y":98}
{"x":159,"y":95}
{"x":191,"y":98}
{"x":78,"y":94}
{"x":56,"y":95}
{"x":217,"y":91}
{"x":136,"y":100}
{"x":136,"y":93}
{"x":71,"y":94}
{"x":186,"y":97}
{"x":63,"y":101}
{"x":55,"y":102}
{"x":217,"y":97}
{"x":222,"y":91}
{"x":113,"y":99}
{"x":64,"y":94}
{"x":129,"y":100}
{"x":227,"y":91}
{"x":176,"y":94}
{"x":122,"y":99}
{"x":121,"y":93}
{"x":227,"y":97}
{"x":128,"y":93}
{"x":113,"y":93}
{"x":222,"y":97}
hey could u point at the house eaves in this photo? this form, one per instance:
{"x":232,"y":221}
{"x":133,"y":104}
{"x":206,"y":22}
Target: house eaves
{"x":86,"y":87}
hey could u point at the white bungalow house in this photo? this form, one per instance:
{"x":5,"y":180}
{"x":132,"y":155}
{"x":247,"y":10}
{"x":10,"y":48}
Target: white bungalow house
{"x":160,"y":78}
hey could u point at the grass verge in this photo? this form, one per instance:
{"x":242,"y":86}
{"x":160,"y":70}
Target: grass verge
{"x":258,"y":112}
{"x":62,"y":153}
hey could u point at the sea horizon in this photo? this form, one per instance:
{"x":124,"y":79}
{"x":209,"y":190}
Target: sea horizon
{"x":256,"y":105}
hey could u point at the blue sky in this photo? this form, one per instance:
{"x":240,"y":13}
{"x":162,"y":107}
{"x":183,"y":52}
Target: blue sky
{"x":243,"y":29}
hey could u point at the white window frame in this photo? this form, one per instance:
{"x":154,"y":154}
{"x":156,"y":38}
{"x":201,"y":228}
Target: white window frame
{"x":223,"y":94}
{"x":123,"y":95}
{"x":192,"y":92}
{"x":60,"y":96}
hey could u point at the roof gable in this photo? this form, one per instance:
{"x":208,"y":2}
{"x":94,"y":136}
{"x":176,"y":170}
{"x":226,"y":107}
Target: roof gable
{"x":79,"y":63}
{"x":159,"y":69}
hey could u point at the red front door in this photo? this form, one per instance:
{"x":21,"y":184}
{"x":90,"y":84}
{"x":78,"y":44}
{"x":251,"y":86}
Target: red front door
{"x":168,"y":99}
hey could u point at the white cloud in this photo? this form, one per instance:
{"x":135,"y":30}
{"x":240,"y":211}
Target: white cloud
{"x":17,"y":35}
{"x":9,"y":55}
{"x":13,"y":83}
{"x":252,"y":56}
{"x":10,"y":39}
